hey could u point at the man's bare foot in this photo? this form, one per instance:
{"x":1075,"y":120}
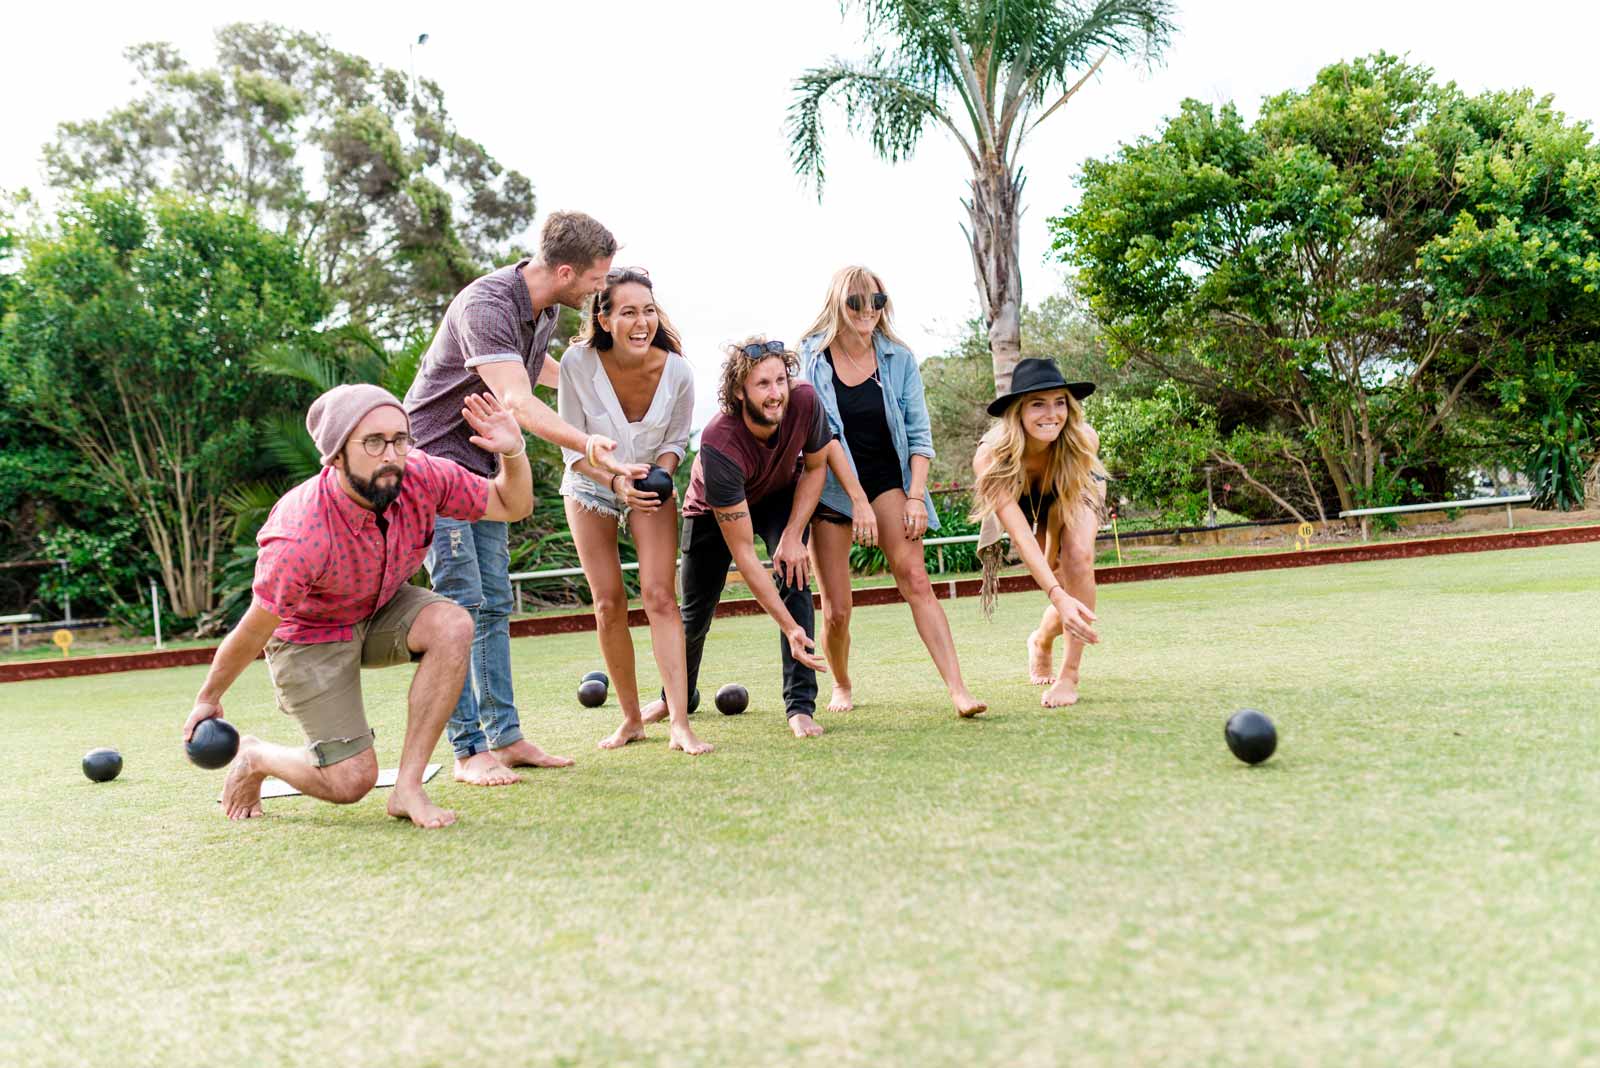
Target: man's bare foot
{"x":686,"y":742}
{"x":1039,"y":660}
{"x":1063,"y":693}
{"x":967,"y":705}
{"x":804,"y":726}
{"x":654,"y":712}
{"x":241,"y":791}
{"x":411,"y":803}
{"x":842,"y":700}
{"x":628,"y":732}
{"x":483,"y":769}
{"x":524,"y":754}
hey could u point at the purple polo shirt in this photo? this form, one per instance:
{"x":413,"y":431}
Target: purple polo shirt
{"x":490,"y":321}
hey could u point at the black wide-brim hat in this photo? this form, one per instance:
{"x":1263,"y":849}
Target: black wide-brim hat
{"x":1036,"y":376}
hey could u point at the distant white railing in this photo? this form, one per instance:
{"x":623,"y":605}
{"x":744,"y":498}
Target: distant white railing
{"x":1473,"y":502}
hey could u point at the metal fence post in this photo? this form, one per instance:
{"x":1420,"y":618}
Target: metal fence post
{"x":155,"y":605}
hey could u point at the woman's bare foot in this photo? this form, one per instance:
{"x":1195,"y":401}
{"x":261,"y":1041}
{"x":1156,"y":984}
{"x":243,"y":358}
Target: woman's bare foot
{"x":1040,"y":655}
{"x":686,"y":742}
{"x":1064,"y":692}
{"x":628,"y":732}
{"x":967,"y":705}
{"x":804,"y":726}
{"x":842,"y":699}
{"x":484,"y":769}
{"x":241,"y":791}
{"x":524,"y":754}
{"x":654,"y":712}
{"x":411,"y":803}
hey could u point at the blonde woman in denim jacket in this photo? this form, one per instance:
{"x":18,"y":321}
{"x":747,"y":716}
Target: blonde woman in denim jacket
{"x":872,"y":393}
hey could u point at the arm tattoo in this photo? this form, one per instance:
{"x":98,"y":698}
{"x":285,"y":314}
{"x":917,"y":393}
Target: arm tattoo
{"x":730,"y":517}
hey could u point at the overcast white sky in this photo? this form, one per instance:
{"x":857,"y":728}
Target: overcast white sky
{"x":665,"y":120}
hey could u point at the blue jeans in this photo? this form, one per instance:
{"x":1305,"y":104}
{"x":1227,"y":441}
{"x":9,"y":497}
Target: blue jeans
{"x":470,"y":563}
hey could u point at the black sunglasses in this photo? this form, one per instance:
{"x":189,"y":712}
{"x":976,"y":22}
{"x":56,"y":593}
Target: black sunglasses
{"x":755,"y":352}
{"x":855,"y":301}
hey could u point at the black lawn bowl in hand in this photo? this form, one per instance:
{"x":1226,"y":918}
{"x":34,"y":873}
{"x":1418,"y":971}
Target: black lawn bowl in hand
{"x":658,"y":481}
{"x":592,"y":693}
{"x":102,"y":765}
{"x":213,"y":744}
{"x":732,"y":699}
{"x":1251,"y":736}
{"x":605,"y":680}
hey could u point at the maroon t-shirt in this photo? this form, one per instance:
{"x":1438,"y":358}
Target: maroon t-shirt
{"x":733,"y":465}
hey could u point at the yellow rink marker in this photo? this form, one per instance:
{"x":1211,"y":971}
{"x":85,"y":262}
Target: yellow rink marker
{"x":1302,"y":537}
{"x":63,"y":638}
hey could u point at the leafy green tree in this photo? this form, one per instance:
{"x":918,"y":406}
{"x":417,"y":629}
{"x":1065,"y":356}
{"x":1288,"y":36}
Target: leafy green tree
{"x":988,"y":72}
{"x":1370,"y":259}
{"x":131,"y":338}
{"x":395,"y":208}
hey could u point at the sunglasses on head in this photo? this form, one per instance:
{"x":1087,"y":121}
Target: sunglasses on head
{"x":769,"y":348}
{"x":856,"y":302}
{"x":616,"y":274}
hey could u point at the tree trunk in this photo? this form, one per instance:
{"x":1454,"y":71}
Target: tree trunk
{"x":993,"y":212}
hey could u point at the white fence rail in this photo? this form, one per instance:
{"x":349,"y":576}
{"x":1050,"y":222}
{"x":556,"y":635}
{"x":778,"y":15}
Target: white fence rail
{"x":1472,"y":502}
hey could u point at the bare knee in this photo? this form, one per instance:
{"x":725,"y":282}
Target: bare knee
{"x":350,"y":780}
{"x":610,"y":610}
{"x":836,"y":616}
{"x":1078,"y":559}
{"x":659,"y":601}
{"x":442,"y":628}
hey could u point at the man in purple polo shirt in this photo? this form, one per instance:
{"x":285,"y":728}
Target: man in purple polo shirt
{"x":332,"y":597}
{"x":496,"y":333}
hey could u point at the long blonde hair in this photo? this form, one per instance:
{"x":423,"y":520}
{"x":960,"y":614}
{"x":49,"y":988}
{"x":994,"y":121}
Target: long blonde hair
{"x":831,"y":319}
{"x":1070,"y":466}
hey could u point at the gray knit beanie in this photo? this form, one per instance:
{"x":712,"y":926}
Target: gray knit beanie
{"x":335,"y":414}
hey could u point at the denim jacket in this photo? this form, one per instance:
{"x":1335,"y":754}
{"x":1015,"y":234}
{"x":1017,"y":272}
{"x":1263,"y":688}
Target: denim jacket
{"x":903,"y":402}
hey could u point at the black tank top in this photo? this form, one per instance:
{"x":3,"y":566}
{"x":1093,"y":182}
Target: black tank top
{"x":866,"y":428}
{"x":1036,"y":502}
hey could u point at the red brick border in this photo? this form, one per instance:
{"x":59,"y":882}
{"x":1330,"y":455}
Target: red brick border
{"x":1216,"y":565}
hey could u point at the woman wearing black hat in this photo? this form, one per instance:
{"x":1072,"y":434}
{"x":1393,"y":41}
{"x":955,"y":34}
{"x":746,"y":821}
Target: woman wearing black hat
{"x":1039,"y":479}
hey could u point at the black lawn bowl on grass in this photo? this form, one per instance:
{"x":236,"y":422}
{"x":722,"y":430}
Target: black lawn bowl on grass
{"x":213,"y":744}
{"x":102,"y":765}
{"x":732,"y":699}
{"x":592,"y":693}
{"x":599,"y":676}
{"x":1251,"y":736}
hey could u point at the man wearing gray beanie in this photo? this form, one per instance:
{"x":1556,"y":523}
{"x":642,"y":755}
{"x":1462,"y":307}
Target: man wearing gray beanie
{"x":496,"y":335}
{"x":332,"y":596}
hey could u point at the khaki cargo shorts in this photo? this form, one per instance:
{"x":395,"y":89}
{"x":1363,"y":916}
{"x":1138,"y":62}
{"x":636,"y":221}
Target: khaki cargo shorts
{"x":320,"y":684}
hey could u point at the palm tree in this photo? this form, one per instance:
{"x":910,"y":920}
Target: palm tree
{"x":989,"y":72}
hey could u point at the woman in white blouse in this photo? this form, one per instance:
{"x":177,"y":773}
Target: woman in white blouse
{"x":625,"y":377}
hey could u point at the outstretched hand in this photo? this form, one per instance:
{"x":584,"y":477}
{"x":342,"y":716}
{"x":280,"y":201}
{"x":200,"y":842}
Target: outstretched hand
{"x":1076,"y":618}
{"x":495,"y":427}
{"x":605,"y":459}
{"x":803,"y":649}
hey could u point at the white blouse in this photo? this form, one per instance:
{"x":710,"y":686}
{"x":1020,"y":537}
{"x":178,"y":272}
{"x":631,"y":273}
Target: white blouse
{"x":587,"y":401}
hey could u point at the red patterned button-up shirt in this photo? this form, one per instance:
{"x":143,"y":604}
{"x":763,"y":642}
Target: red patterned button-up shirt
{"x":324,"y":565}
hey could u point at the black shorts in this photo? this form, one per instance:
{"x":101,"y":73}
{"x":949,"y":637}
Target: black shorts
{"x":833,"y":515}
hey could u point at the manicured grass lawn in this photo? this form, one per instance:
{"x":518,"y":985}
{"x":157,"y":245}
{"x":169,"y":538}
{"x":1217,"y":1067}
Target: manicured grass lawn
{"x":1411,"y":880}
